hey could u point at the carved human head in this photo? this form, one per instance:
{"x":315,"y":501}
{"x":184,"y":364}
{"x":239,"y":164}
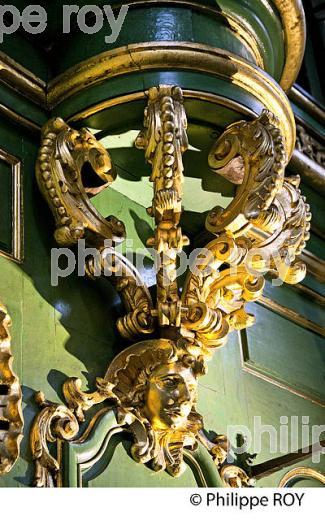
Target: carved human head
{"x":158,"y":381}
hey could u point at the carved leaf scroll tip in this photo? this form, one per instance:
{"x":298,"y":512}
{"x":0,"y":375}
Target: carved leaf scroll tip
{"x":64,"y":158}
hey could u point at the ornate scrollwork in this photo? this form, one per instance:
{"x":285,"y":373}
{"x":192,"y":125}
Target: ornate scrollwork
{"x":301,"y":473}
{"x":79,"y":401}
{"x":55,"y":421}
{"x":235,"y":477}
{"x":268,"y":208}
{"x":164,"y":140}
{"x":286,"y":226}
{"x":254,"y":155}
{"x":63,"y":154}
{"x":62,"y":157}
{"x":215,"y":293}
{"x":152,"y":385}
{"x":310,"y":146}
{"x":134,"y":293}
{"x":11,"y":417}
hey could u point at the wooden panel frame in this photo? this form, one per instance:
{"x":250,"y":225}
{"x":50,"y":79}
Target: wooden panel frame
{"x":103,"y":432}
{"x":17,"y":246}
{"x":256,"y":370}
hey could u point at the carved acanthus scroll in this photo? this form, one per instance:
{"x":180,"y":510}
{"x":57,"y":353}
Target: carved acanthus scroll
{"x":60,"y":168}
{"x":268,"y":208}
{"x":216,"y":291}
{"x":54,"y":422}
{"x":164,"y":140}
{"x":62,"y":157}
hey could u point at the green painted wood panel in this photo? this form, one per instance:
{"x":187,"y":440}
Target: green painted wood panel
{"x":6,"y":212}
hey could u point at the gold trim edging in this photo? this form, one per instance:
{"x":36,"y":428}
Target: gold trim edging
{"x":129,"y":98}
{"x":19,"y":119}
{"x":291,"y":12}
{"x":17,"y":253}
{"x":294,"y":26}
{"x":303,"y":102}
{"x":182,"y":56}
{"x":292,"y":17}
{"x":22,"y":80}
{"x":238,"y":24}
{"x":301,"y":473}
{"x":315,"y":265}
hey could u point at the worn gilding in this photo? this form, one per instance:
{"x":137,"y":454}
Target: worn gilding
{"x":186,"y":56}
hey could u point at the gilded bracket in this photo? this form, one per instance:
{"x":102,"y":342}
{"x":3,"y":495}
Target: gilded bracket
{"x":152,"y":384}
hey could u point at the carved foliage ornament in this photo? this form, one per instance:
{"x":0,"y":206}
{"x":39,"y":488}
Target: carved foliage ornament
{"x":310,"y":146}
{"x":152,"y":385}
{"x":11,"y":418}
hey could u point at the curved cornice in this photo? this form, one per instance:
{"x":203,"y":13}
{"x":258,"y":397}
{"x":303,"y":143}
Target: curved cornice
{"x":180,"y":56}
{"x":294,"y":27}
{"x":291,"y":12}
{"x":292,"y":17}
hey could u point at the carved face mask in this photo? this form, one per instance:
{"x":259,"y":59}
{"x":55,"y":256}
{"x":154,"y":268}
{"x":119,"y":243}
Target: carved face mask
{"x":170,"y":396}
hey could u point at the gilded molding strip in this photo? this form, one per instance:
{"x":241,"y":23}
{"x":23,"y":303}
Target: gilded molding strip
{"x":302,"y":101}
{"x":271,"y":466}
{"x":11,"y":418}
{"x":129,"y":98}
{"x":20,"y":120}
{"x":186,"y":56}
{"x":292,"y":315}
{"x":311,"y":172}
{"x":308,"y":159}
{"x":17,"y":253}
{"x":190,"y":460}
{"x":103,"y":105}
{"x":251,"y":368}
{"x":315,"y":265}
{"x":15,"y":76}
{"x":310,"y":293}
{"x":293,"y":21}
{"x":24,"y":81}
{"x":302,"y":473}
{"x":294,"y":26}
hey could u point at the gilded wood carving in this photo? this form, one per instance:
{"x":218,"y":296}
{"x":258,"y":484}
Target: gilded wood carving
{"x":11,"y":418}
{"x":152,"y":384}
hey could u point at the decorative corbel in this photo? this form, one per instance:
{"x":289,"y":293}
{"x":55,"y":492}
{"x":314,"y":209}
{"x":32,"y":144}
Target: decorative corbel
{"x":62,"y":157}
{"x":152,"y":384}
{"x":268,"y":208}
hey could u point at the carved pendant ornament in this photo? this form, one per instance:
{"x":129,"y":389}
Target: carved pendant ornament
{"x":152,"y":384}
